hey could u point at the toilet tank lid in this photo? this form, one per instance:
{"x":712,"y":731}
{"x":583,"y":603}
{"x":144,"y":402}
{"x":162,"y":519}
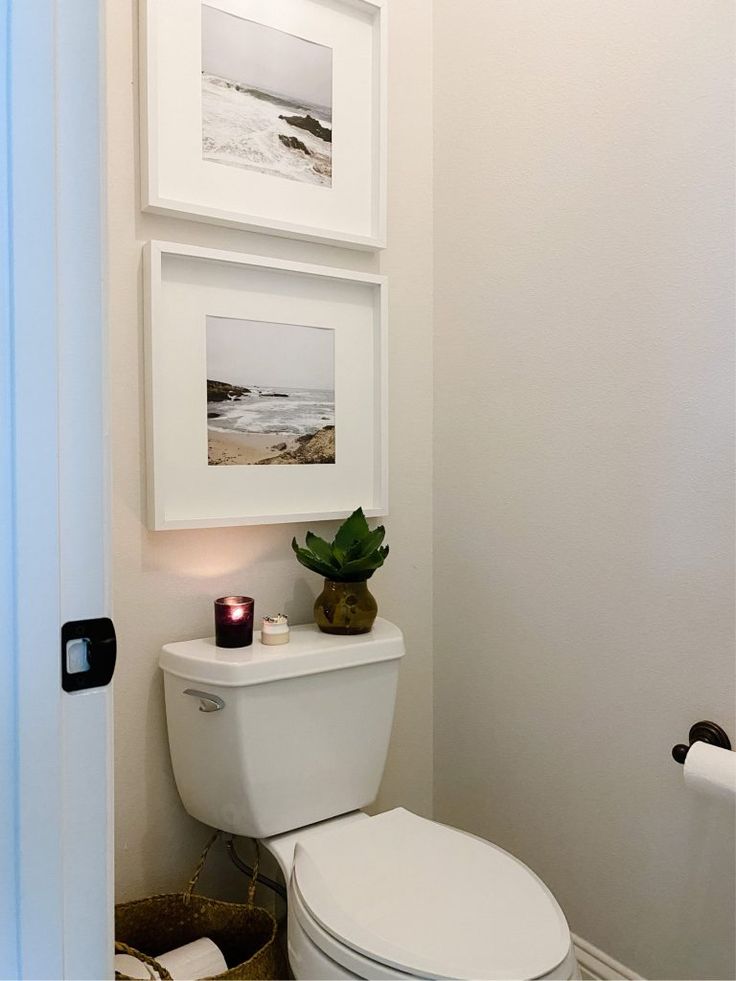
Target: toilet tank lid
{"x":309,"y":651}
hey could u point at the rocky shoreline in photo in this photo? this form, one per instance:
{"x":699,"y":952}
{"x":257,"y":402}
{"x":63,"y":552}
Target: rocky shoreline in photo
{"x":311,"y":125}
{"x":316,"y":447}
{"x":243,"y":126}
{"x":218,"y":391}
{"x":253,"y":425}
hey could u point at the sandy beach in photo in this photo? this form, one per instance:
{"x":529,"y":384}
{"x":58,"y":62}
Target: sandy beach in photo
{"x":238,"y":448}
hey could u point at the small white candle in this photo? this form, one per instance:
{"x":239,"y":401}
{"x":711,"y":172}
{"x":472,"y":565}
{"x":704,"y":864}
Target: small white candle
{"x":275,"y":630}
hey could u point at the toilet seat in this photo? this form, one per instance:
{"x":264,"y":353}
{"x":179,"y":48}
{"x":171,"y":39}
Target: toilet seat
{"x":412,"y":898}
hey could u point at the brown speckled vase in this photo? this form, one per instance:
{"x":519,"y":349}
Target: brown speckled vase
{"x":345,"y":608}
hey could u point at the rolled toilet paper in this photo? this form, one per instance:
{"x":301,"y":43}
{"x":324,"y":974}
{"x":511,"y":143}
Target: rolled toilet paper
{"x":200,"y":959}
{"x":711,"y":770}
{"x":131,"y":967}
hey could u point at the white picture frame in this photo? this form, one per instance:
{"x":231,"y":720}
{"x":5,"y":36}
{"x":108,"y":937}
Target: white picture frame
{"x":186,"y":286}
{"x":177,"y":180}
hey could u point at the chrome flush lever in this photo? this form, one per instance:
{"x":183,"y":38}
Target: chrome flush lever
{"x":207,"y":701}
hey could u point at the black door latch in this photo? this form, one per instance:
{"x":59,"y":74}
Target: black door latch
{"x":88,"y":653}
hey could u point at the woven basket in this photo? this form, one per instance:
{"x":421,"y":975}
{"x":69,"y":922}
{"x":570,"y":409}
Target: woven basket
{"x":246,"y":934}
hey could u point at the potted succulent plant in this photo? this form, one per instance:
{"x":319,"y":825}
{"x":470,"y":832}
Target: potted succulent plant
{"x":345,"y":606}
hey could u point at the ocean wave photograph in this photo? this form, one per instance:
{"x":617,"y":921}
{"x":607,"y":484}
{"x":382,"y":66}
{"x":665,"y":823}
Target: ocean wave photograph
{"x":270,"y":393}
{"x":266,"y":99}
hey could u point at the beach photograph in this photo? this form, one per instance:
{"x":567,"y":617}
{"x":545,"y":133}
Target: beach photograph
{"x":270,"y":393}
{"x":266,"y":99}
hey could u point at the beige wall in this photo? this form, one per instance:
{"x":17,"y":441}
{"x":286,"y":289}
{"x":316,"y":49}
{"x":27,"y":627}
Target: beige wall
{"x":583,"y":396}
{"x":584,"y":455}
{"x":164,"y":582}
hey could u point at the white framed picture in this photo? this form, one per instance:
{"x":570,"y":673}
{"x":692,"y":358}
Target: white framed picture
{"x":268,"y":116}
{"x":266,"y":390}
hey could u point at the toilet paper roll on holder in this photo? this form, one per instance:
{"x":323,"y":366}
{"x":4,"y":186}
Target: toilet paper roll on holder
{"x":701,"y":732}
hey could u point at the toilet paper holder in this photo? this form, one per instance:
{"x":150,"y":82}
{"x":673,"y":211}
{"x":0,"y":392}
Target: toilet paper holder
{"x":701,"y":732}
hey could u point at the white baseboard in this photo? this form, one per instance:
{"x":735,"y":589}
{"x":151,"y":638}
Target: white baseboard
{"x":595,"y":964}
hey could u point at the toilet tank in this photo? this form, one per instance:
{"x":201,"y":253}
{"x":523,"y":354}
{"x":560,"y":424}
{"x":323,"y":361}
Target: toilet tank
{"x":269,"y":739}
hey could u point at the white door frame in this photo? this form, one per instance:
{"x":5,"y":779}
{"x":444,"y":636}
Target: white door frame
{"x":56,"y":823}
{"x":9,"y":958}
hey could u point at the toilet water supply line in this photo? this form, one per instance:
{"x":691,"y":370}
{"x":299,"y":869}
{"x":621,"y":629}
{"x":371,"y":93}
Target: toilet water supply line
{"x":248,"y":870}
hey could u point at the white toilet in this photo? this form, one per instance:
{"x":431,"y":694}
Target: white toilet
{"x":287,"y":744}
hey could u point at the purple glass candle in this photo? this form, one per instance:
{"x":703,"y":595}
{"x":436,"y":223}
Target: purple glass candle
{"x":234,"y":621}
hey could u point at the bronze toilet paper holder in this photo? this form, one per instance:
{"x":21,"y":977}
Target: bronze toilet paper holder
{"x":701,"y":732}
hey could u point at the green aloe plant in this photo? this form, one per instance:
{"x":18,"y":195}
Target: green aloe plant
{"x":353,"y":556}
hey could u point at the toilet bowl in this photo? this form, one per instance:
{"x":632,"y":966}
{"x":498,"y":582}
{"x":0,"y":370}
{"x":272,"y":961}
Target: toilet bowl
{"x":398,"y":896}
{"x":287,"y":745}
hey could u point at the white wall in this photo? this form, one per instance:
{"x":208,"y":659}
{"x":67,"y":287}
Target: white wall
{"x":584,"y":454}
{"x":164,"y":583}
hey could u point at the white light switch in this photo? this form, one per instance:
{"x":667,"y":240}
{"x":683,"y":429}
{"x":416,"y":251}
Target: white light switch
{"x":76,"y":655}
